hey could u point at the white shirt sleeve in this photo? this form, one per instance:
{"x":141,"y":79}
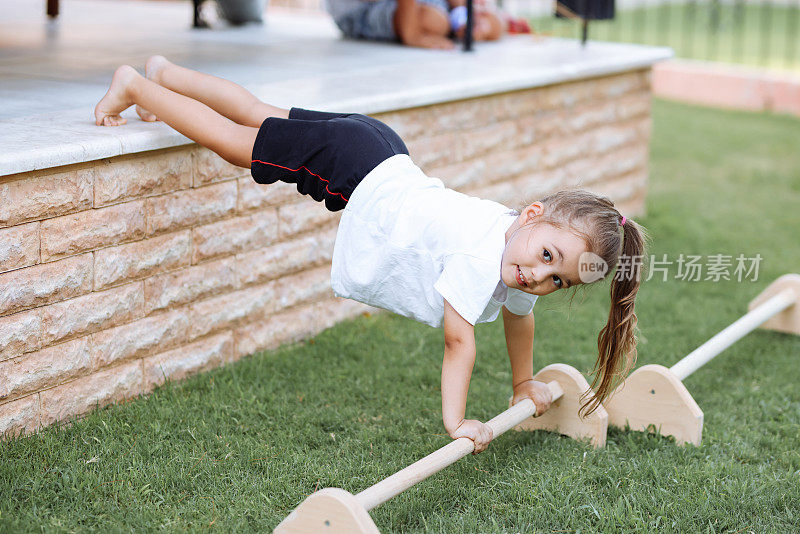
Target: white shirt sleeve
{"x":467,"y":283}
{"x":518,"y":302}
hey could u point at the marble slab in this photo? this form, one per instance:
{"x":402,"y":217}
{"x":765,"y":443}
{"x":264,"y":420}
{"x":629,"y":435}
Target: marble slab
{"x":51,"y":75}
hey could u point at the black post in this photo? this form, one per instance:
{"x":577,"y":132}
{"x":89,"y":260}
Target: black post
{"x":52,"y":8}
{"x":584,"y":32}
{"x":197,"y":19}
{"x":585,"y":11}
{"x":468,"y":28}
{"x":584,"y":14}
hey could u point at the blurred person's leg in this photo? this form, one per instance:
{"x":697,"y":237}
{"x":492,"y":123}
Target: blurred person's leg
{"x":412,"y":22}
{"x":434,"y":17}
{"x":490,"y":26}
{"x":365,"y":19}
{"x":421,"y":24}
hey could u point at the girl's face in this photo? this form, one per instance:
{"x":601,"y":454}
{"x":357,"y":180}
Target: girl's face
{"x":540,"y":258}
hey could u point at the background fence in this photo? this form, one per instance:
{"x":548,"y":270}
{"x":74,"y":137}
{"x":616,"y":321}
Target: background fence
{"x":756,"y":32}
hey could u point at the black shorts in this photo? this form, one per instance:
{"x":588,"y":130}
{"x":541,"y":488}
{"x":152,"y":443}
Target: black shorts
{"x":325,"y":154}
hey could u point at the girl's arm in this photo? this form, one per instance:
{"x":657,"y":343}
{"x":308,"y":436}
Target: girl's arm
{"x":519,"y":341}
{"x":459,"y":357}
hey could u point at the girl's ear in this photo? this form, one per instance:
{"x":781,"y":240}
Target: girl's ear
{"x":533,"y":211}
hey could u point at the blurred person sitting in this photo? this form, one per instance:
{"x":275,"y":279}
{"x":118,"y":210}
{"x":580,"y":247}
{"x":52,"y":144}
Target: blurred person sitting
{"x":423,"y":23}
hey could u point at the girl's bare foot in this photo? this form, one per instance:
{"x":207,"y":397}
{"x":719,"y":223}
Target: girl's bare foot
{"x":107,"y":111}
{"x":152,"y":70}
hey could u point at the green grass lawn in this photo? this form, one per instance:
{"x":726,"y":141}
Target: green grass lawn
{"x":758,"y":35}
{"x":238,"y":448}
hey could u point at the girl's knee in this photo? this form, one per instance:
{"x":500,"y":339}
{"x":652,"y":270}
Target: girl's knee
{"x":238,"y":158}
{"x":236,"y":145}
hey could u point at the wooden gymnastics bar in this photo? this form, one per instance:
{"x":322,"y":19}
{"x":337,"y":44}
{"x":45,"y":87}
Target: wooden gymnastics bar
{"x":336,"y":511}
{"x":654,"y":397}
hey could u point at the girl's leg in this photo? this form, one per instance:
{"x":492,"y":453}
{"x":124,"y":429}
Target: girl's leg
{"x":234,"y":142}
{"x":225,"y":97}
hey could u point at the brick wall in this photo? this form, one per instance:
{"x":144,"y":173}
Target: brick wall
{"x":118,"y":274}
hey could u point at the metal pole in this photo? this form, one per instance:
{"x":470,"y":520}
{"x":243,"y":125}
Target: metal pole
{"x":52,"y":8}
{"x":468,"y":29}
{"x":583,"y":11}
{"x":584,"y":32}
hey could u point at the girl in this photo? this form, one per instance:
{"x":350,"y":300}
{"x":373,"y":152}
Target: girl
{"x":406,"y":243}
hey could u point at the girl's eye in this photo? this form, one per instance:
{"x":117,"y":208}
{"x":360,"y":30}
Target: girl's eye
{"x":547,"y":256}
{"x":557,"y":281}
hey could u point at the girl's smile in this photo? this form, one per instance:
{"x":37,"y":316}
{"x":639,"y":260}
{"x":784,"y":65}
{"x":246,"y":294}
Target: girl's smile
{"x":521,"y":277}
{"x":540,"y":258}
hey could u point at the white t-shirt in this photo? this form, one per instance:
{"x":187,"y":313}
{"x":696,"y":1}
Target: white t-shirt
{"x":405,"y":243}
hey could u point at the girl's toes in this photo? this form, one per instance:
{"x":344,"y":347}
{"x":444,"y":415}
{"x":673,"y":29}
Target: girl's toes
{"x":114,"y":120}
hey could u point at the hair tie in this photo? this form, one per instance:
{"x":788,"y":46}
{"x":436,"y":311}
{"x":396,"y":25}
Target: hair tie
{"x":622,"y":221}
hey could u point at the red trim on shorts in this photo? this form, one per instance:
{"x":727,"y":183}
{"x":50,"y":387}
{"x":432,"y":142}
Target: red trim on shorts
{"x":306,"y":169}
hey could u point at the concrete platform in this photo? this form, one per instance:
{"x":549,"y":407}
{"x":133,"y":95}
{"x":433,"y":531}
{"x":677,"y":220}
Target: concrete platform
{"x":52,"y":73}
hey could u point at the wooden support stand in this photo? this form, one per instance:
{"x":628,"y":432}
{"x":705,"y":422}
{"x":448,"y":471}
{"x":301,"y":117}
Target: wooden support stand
{"x":654,"y":397}
{"x":788,"y":320}
{"x":563,"y":416}
{"x":330,"y":510}
{"x":336,"y":511}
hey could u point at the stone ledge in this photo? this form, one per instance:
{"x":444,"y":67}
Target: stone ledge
{"x":337,"y":74}
{"x":162,"y":301}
